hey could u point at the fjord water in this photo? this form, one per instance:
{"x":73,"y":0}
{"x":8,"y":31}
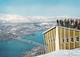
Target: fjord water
{"x":16,"y":48}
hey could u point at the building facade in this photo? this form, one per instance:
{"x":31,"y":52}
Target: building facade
{"x":58,"y":37}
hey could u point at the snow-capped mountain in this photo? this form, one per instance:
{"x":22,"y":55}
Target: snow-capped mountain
{"x":18,"y":18}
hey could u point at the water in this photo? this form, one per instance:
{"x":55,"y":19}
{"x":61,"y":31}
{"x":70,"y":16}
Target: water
{"x":15,"y":48}
{"x":37,"y":37}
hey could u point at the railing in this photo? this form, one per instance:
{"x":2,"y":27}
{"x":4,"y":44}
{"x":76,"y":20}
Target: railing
{"x":69,"y":23}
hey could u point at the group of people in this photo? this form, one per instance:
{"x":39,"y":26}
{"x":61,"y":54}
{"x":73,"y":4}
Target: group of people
{"x":69,"y":23}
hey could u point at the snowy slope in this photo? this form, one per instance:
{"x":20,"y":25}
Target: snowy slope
{"x":63,"y":53}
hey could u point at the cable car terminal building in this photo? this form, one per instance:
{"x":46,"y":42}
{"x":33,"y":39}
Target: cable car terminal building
{"x":58,"y":37}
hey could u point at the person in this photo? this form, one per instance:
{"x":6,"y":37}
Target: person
{"x":68,"y":23}
{"x":76,"y":22}
{"x":71,"y":23}
{"x":60,"y":22}
{"x":65,"y":23}
{"x":57,"y":22}
{"x":78,"y":25}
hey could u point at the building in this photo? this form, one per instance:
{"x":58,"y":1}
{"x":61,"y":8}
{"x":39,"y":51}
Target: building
{"x":58,"y":37}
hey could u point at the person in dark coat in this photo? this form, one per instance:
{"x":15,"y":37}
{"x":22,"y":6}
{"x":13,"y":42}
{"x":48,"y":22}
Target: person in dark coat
{"x":76,"y":22}
{"x":57,"y":22}
{"x":78,"y":25}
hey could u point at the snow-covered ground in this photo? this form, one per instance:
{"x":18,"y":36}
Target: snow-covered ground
{"x":63,"y":53}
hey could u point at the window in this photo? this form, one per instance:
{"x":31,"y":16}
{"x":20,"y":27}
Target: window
{"x":49,"y":40}
{"x":77,"y":39}
{"x":62,"y":40}
{"x":67,"y":40}
{"x":71,"y":39}
{"x":53,"y":40}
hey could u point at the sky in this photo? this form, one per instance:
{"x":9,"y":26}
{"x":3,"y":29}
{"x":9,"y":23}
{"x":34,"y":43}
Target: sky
{"x":40,"y":7}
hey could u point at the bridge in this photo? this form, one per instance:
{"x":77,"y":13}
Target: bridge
{"x":29,"y":41}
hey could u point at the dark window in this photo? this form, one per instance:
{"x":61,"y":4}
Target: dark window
{"x":46,"y":44}
{"x":49,"y":40}
{"x":62,"y":40}
{"x":54,"y":40}
{"x":71,"y":39}
{"x":67,"y":40}
{"x":77,"y":38}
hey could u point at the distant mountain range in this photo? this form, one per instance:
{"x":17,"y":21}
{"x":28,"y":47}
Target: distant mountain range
{"x":32,"y":19}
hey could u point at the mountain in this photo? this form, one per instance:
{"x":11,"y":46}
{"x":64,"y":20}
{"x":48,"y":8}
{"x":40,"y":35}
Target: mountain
{"x":18,"y":18}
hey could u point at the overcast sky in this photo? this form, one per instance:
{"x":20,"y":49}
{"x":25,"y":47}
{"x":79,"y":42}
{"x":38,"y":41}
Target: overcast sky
{"x":40,"y":7}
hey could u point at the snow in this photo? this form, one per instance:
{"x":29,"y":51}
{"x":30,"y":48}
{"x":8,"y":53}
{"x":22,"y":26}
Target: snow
{"x":19,"y":18}
{"x":63,"y":53}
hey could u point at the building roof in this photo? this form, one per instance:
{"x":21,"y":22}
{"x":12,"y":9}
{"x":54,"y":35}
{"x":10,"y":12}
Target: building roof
{"x":48,"y":29}
{"x":61,"y":27}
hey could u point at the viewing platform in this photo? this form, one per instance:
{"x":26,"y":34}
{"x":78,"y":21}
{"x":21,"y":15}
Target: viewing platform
{"x":65,"y":35}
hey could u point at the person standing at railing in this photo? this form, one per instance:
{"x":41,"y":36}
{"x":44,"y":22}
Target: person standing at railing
{"x":68,"y":23}
{"x":61,"y":22}
{"x":71,"y":23}
{"x":76,"y":22}
{"x":78,"y":25}
{"x":65,"y":23}
{"x":57,"y":22}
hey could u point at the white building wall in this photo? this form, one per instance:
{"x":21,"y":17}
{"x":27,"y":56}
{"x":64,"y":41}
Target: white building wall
{"x":57,"y":40}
